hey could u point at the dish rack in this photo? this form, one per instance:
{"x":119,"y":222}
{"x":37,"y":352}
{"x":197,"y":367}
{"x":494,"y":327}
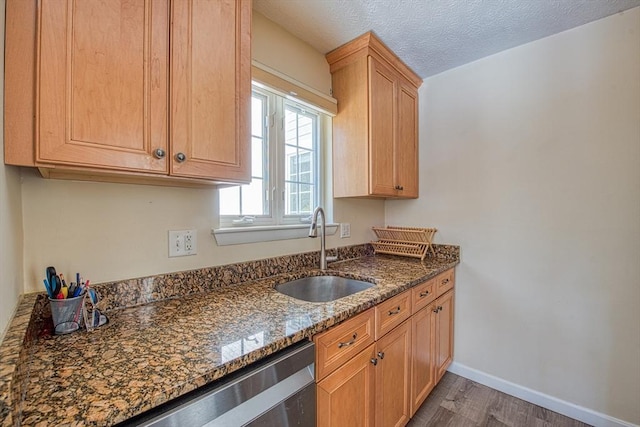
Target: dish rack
{"x":404,"y":241}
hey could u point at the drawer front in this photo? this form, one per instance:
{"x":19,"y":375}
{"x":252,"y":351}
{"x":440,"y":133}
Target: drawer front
{"x":392,"y":312}
{"x":444,"y":282}
{"x":340,"y":343}
{"x":422,"y":294}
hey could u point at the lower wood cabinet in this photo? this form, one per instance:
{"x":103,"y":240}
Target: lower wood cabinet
{"x":423,"y":347}
{"x":384,"y":384}
{"x":444,"y":333}
{"x":371,"y":389}
{"x":346,"y":397}
{"x":393,"y":377}
{"x":431,"y":347}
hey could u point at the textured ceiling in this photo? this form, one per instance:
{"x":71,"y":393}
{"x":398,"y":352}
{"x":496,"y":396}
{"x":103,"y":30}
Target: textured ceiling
{"x":432,"y":36}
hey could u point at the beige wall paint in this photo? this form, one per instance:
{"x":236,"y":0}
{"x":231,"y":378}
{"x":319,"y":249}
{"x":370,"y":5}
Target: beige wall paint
{"x":118,"y":231}
{"x":273,"y":46}
{"x":10,"y":219}
{"x":530,"y":160}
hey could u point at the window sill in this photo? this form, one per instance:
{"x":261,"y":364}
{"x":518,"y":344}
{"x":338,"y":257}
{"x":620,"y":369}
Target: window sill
{"x":255,"y":234}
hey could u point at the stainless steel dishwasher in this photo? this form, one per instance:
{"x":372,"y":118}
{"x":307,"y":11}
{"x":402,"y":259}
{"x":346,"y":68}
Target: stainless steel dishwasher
{"x":278,"y":391}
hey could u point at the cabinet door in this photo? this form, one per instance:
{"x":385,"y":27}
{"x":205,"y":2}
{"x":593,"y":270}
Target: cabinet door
{"x":423,"y":343}
{"x":444,"y":333}
{"x":406,"y":166}
{"x":102,"y":84}
{"x":393,"y":377}
{"x":382,"y":118}
{"x":346,"y":397}
{"x":211,"y":89}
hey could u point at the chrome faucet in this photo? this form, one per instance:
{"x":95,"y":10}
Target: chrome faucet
{"x":313,"y":232}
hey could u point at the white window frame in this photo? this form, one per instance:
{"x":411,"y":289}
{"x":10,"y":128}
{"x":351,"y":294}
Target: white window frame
{"x":283,"y":218}
{"x":276,"y":225}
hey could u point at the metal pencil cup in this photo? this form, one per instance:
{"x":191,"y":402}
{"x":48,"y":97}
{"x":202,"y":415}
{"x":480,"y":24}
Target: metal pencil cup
{"x":67,"y":314}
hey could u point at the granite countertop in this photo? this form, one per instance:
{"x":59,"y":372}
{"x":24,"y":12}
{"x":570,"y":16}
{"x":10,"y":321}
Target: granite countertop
{"x":152,"y":353}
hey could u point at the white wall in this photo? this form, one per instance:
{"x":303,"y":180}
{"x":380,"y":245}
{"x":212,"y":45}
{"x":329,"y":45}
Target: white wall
{"x":118,"y":231}
{"x":10,"y":219}
{"x":273,"y":46}
{"x":530,"y":160}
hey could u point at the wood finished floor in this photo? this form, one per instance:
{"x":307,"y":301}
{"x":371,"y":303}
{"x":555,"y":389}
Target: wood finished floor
{"x":459,"y":402}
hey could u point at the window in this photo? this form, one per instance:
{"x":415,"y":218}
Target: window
{"x":285,"y":183}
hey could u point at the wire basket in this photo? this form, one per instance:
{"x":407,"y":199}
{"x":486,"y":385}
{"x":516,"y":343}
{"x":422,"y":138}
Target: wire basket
{"x":404,"y":241}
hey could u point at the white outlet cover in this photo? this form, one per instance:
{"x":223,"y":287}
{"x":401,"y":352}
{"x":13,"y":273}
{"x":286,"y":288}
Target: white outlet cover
{"x":182,"y":243}
{"x":345,"y":230}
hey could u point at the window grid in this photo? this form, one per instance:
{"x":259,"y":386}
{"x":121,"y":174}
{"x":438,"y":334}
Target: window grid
{"x":300,"y":176}
{"x":287,"y":133}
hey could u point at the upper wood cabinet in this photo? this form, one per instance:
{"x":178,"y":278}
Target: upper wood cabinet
{"x":101,"y":89}
{"x":132,"y":89}
{"x":375,"y":133}
{"x":211,"y":89}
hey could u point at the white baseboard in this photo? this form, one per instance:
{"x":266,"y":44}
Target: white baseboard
{"x":579,"y":413}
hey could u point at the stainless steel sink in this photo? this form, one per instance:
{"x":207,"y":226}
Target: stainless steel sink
{"x":322,"y":288}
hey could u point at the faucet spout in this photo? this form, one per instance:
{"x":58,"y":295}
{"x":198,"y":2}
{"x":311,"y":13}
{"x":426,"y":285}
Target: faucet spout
{"x":313,"y":232}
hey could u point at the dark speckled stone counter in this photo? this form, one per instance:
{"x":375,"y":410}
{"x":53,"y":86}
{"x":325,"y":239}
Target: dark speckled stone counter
{"x":149,"y":354}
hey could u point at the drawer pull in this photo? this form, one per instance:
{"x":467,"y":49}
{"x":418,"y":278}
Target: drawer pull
{"x":445,"y":281}
{"x":396,"y":311}
{"x":381,"y":355}
{"x":348,"y":343}
{"x":424,"y":294}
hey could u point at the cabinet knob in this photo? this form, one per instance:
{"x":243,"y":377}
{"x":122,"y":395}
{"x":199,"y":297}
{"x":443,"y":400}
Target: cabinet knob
{"x":381,"y":355}
{"x":374,"y":361}
{"x":180,"y":157}
{"x":159,"y":153}
{"x":399,"y":187}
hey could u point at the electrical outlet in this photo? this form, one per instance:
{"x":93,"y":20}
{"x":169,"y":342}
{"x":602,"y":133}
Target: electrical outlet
{"x":182,"y":243}
{"x":188,"y":242}
{"x":345,"y":230}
